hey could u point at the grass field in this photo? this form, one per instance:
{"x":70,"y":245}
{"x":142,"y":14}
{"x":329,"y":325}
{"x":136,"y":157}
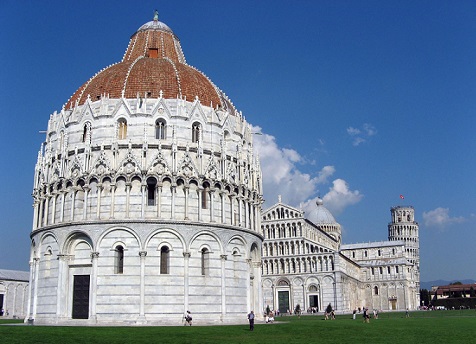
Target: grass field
{"x":421,"y":327}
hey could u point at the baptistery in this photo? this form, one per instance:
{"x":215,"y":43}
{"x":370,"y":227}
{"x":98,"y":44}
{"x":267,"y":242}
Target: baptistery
{"x":147,"y":197}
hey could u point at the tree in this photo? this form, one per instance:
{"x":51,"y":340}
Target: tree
{"x":425,"y":297}
{"x":472,"y":293}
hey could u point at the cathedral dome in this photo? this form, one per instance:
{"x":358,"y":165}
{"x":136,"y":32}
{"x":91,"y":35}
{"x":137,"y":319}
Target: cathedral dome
{"x":321,"y":215}
{"x":153,"y":66}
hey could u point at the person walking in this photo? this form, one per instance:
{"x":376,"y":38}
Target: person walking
{"x":188,"y":318}
{"x":251,"y":319}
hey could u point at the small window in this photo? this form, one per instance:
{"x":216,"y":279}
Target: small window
{"x":365,"y":254}
{"x":160,"y":126}
{"x":373,"y":271}
{"x":86,"y":138}
{"x":119,"y":260}
{"x":164,"y":260}
{"x":379,"y":253}
{"x":151,"y":186}
{"x":153,"y":53}
{"x":196,"y":128}
{"x":205,"y":261}
{"x":376,"y":290}
{"x":396,"y":269}
{"x":204,"y":199}
{"x":122,"y":129}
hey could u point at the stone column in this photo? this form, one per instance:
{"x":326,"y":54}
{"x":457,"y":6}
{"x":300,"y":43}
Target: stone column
{"x":159,"y":201}
{"x":223,"y":285}
{"x":29,"y":310}
{"x":53,"y":209}
{"x":36,"y":267}
{"x":186,"y":256}
{"x":45,"y":211}
{"x":199,"y":191}
{"x":142,"y":255}
{"x":212,"y":206}
{"x":113,"y":193}
{"x":128,"y":194}
{"x":222,"y":201}
{"x":240,"y":210}
{"x":232,"y":210}
{"x":186,"y":191}
{"x":73,"y":200}
{"x":98,"y":202}
{"x":174,"y":190}
{"x":94,"y":283}
{"x":143,"y":200}
{"x":245,"y":204}
{"x":85,"y":203}
{"x":63,"y":197}
{"x":35,"y":214}
{"x":40,"y":214}
{"x":61,"y":291}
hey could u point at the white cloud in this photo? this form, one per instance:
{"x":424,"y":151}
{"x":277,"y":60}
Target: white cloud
{"x":361,"y":135}
{"x":440,"y":217}
{"x":357,"y":141}
{"x":353,"y":131}
{"x":340,"y":196}
{"x":281,"y":176}
{"x":370,"y":129}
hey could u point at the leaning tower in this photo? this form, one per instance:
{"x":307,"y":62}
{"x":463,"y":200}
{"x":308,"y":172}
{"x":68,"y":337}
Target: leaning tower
{"x":404,"y":227}
{"x":147,"y":197}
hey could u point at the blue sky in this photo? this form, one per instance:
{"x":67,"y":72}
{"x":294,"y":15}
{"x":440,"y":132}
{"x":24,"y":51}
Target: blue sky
{"x":358,"y":102}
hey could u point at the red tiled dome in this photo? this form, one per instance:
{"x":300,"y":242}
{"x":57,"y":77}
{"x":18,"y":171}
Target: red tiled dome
{"x":153,"y":62}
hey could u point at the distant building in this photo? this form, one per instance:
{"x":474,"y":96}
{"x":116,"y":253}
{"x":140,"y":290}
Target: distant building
{"x":453,"y":290}
{"x":13,"y":293}
{"x":305,"y":263}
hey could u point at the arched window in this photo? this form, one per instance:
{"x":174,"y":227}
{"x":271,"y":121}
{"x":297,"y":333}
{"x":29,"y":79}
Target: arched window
{"x":119,"y":259}
{"x":122,"y":129}
{"x":376,"y":290}
{"x":204,"y":199}
{"x":196,"y":128}
{"x":164,"y":260}
{"x":160,"y":127}
{"x":86,"y":138}
{"x":151,"y":186}
{"x":205,"y":261}
{"x":205,"y":195}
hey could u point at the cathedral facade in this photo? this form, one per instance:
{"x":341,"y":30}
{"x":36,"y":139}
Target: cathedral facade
{"x":305,"y":263}
{"x":147,"y":197}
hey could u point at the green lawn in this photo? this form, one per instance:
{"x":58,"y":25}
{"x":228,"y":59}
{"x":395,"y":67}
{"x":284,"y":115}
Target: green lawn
{"x":420,"y":328}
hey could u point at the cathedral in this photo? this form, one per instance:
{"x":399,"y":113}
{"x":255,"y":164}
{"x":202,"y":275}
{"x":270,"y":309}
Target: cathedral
{"x":305,"y":263}
{"x":148,"y":201}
